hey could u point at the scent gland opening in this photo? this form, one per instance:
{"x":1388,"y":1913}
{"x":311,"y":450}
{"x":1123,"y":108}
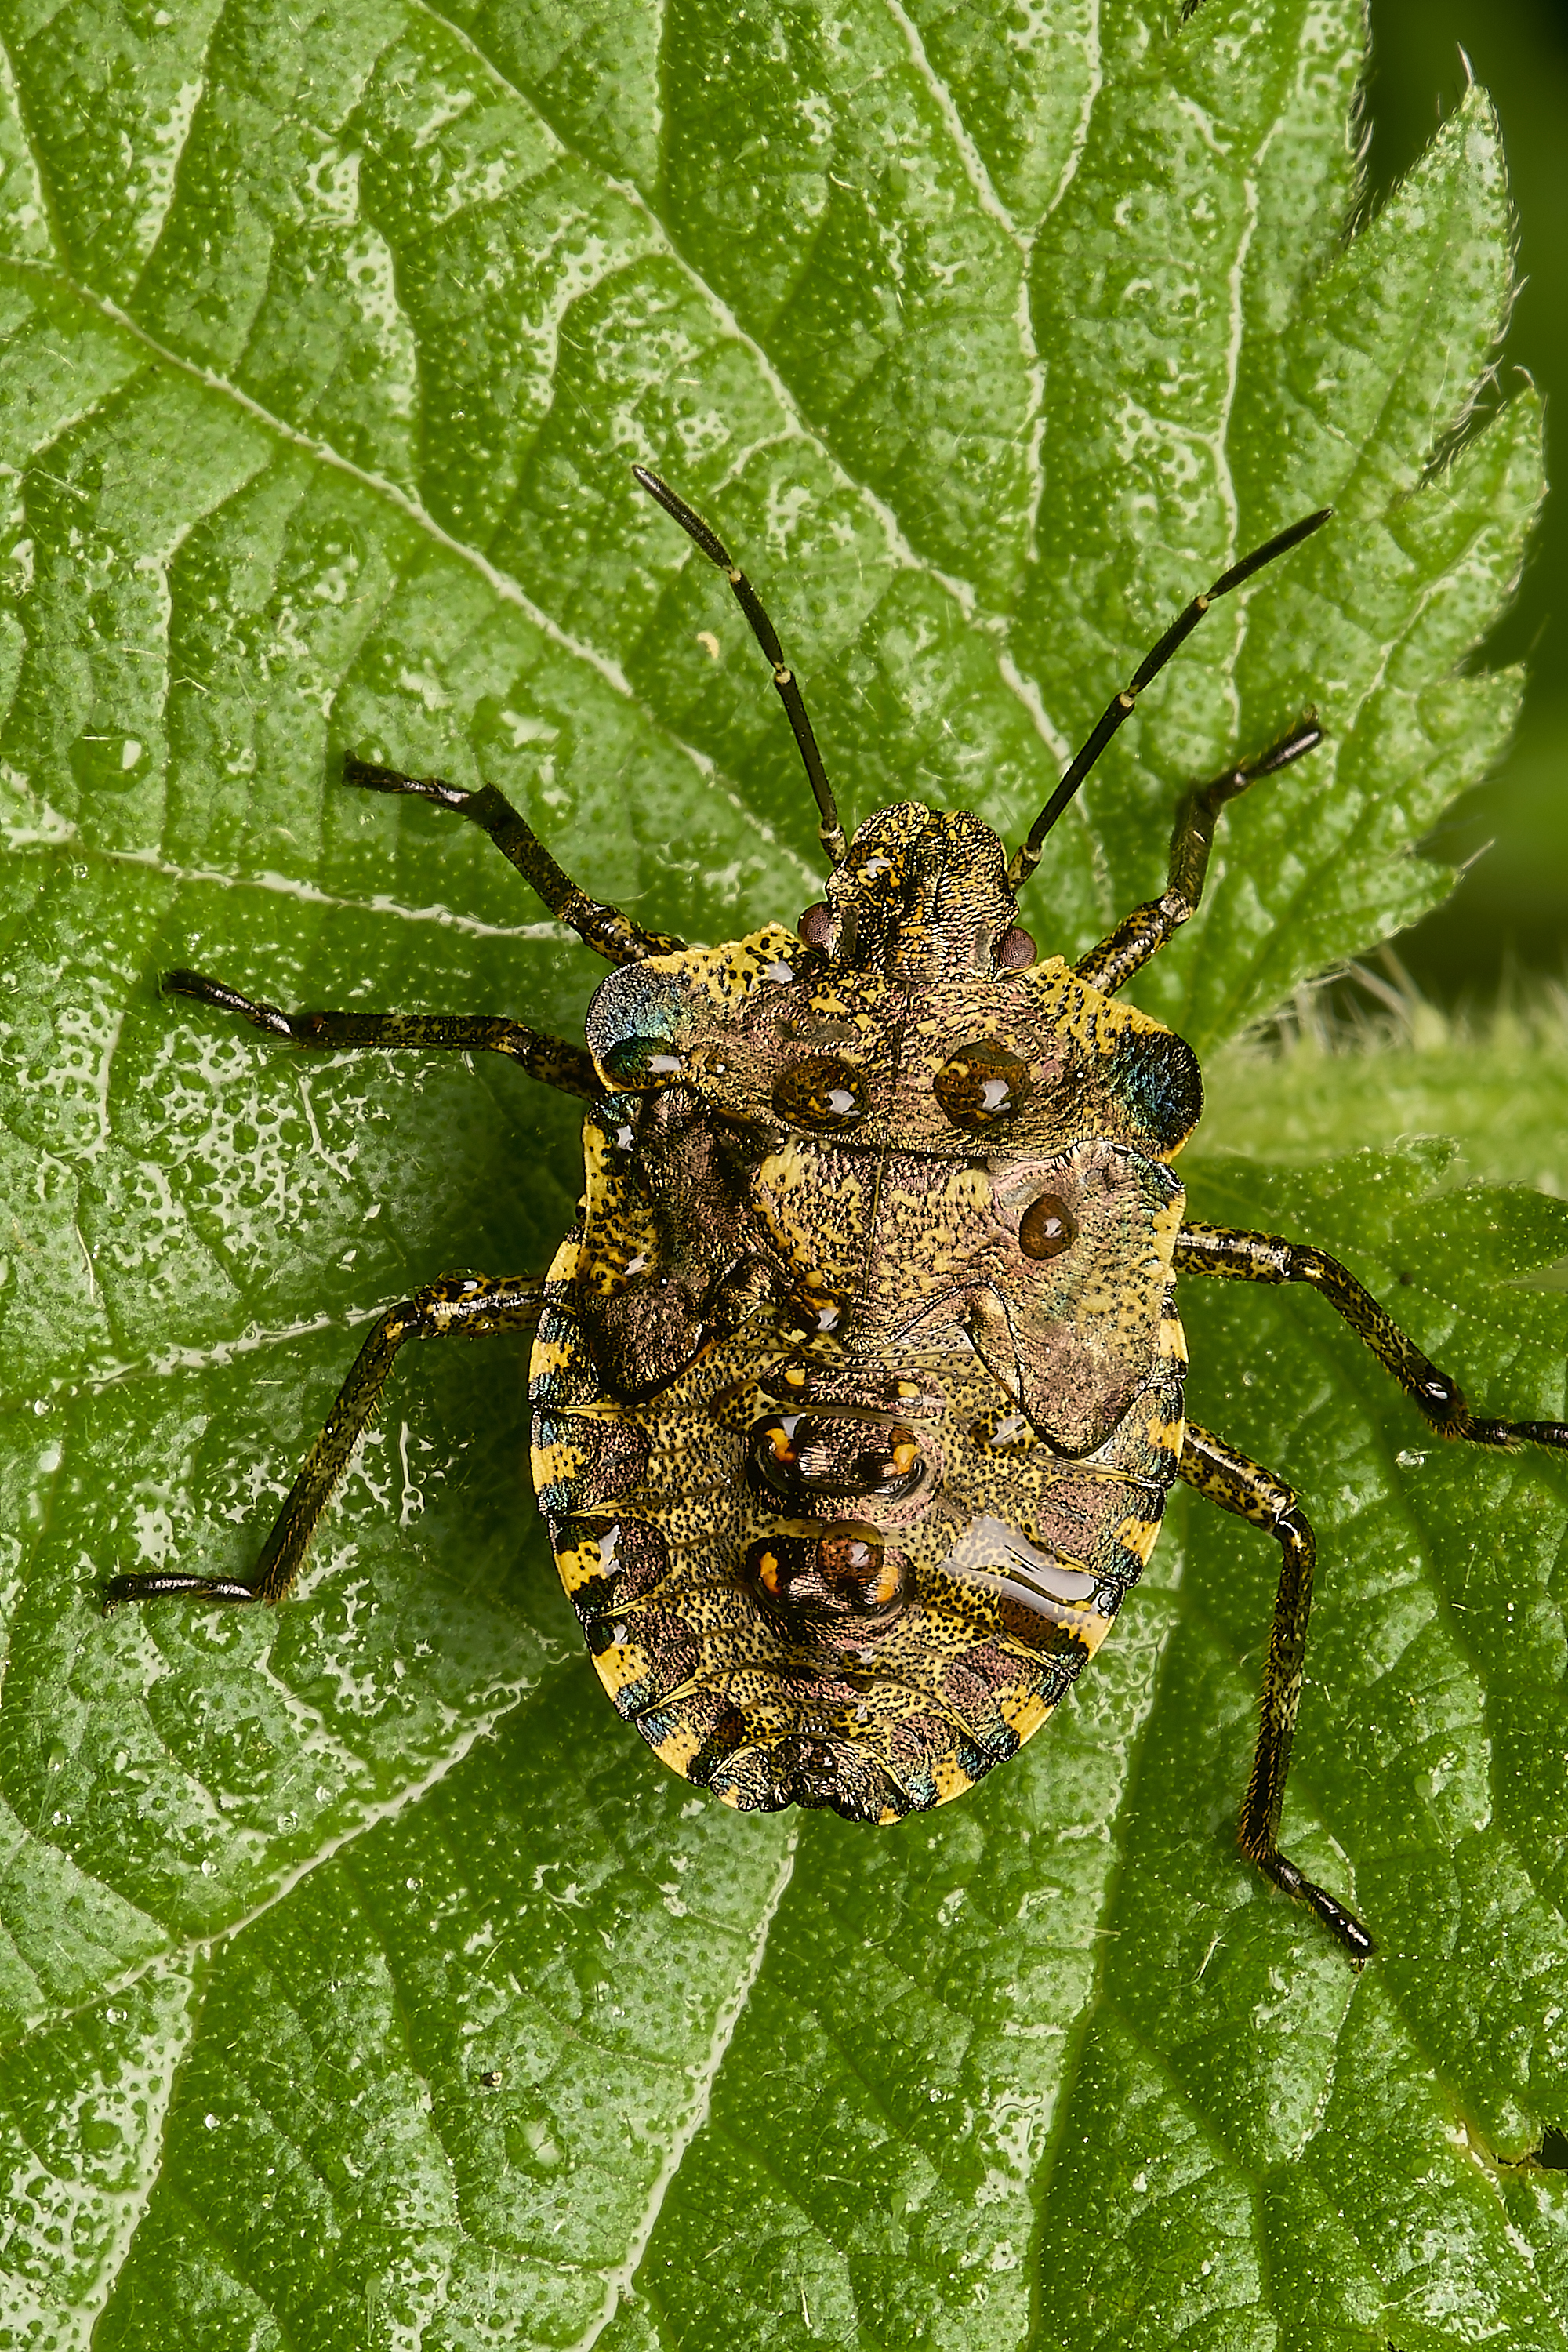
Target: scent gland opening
{"x":794,"y":1457}
{"x":844,"y":1585}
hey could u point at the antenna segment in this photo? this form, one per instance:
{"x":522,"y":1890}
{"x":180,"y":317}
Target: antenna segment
{"x":1025,"y":859}
{"x":766,"y":635}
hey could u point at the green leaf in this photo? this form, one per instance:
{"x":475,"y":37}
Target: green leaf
{"x":362,"y":1981}
{"x":1501,"y":1091}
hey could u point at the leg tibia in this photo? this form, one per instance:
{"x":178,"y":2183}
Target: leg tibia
{"x":552,"y":1060}
{"x":1237,"y":1483}
{"x":461,"y":1304}
{"x":605,"y":928}
{"x":1146,"y":930}
{"x":1264,"y":1258}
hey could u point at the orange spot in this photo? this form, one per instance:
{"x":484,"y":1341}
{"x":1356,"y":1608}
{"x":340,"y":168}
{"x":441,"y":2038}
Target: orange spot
{"x":768,"y":1570}
{"x":885,"y":1587}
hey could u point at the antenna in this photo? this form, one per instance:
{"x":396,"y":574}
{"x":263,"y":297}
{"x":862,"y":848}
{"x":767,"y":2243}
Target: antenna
{"x":1025,"y":859}
{"x":766,"y":635}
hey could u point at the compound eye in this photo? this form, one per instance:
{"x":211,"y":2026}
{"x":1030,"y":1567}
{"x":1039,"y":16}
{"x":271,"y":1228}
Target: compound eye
{"x":818,"y":925}
{"x":821,"y":1092}
{"x":981,"y":1085}
{"x":1014,"y":951}
{"x":1046,"y":1228}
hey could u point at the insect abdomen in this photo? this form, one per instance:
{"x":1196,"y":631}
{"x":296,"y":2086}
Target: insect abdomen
{"x":849,"y":1583}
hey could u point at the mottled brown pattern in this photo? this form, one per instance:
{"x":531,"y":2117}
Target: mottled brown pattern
{"x":1019,"y":1561}
{"x":738,"y":1018}
{"x":846,"y":1470}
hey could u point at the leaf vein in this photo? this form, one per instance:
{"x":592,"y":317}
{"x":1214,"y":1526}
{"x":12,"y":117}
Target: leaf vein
{"x":505,"y":589}
{"x":619,"y":2281}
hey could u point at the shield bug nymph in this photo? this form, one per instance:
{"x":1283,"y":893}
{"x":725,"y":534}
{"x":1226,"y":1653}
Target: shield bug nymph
{"x":857,"y":1390}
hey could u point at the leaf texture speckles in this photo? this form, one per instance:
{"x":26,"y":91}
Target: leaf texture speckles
{"x":361,"y":1982}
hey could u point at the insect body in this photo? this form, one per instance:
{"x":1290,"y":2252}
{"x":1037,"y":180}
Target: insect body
{"x":877,"y":1267}
{"x":857,"y":1390}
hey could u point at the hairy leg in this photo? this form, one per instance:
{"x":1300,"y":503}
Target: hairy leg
{"x":552,"y":1060}
{"x":605,"y":928}
{"x":1264,"y":1258}
{"x":459,"y":1306}
{"x":1237,"y":1483}
{"x":1147,"y":928}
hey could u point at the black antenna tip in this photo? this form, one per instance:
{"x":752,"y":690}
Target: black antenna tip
{"x":1300,"y":530}
{"x":690,"y":522}
{"x":1269,"y":552}
{"x":646,"y":479}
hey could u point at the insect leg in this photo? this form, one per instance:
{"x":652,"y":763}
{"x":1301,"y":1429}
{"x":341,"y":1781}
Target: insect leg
{"x":1264,"y":1258}
{"x":1147,"y":928}
{"x":605,"y":928}
{"x":829,"y":830}
{"x":458,"y":1305}
{"x":1121,"y":705}
{"x":1222,"y":1476}
{"x":552,"y":1060}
